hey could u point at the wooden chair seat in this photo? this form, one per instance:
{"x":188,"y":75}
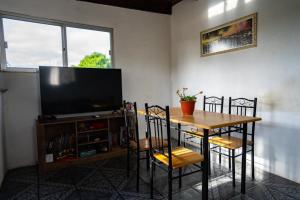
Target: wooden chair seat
{"x":228,"y":142}
{"x":181,"y":157}
{"x":145,"y":144}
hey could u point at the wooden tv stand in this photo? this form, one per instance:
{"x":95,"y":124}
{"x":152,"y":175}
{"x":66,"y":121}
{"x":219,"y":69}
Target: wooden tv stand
{"x":78,"y":140}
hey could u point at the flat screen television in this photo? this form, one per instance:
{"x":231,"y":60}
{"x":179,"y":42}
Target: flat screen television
{"x":70,"y":90}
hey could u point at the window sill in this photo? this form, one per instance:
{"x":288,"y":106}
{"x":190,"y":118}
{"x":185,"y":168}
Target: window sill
{"x":21,"y":70}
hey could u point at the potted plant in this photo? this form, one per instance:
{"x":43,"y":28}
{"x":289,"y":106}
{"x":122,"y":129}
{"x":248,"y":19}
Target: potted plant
{"x":187,"y":102}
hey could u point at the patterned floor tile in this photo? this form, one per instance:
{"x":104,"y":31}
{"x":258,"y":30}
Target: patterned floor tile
{"x":115,"y":176}
{"x":89,"y":195}
{"x":96,"y":182}
{"x":242,"y":197}
{"x":107,"y":179}
{"x":11,"y":188}
{"x":118,"y":163}
{"x":219,"y":188}
{"x":136,"y":197}
{"x":128,"y":188}
{"x":24,"y":174}
{"x":70,"y":175}
{"x":187,"y":195}
{"x":274,"y":191}
{"x":46,"y":192}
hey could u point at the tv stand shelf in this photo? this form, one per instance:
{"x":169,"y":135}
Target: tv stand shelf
{"x":77,"y":140}
{"x":92,"y":131}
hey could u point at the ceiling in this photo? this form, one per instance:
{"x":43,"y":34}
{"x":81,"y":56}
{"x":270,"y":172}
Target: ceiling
{"x":157,"y":6}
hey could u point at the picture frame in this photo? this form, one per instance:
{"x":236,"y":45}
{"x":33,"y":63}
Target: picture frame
{"x":235,"y":35}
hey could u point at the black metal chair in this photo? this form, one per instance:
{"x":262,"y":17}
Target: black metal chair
{"x":244,"y":107}
{"x":158,"y":127}
{"x":210,"y":104}
{"x":134,"y":143}
{"x":213,"y":104}
{"x":130,"y":116}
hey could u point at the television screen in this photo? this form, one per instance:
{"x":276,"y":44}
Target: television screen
{"x":70,"y":90}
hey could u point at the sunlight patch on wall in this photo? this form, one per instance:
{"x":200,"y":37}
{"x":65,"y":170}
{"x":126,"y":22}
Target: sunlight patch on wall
{"x":226,"y":5}
{"x":231,"y":4}
{"x":216,"y":9}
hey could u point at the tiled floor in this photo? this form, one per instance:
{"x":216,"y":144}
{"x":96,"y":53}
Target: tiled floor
{"x":107,"y":180}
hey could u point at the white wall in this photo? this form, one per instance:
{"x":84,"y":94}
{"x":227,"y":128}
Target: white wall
{"x":270,"y":72}
{"x":2,"y":160}
{"x":142,"y":50}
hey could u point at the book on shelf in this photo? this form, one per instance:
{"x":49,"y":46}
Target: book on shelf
{"x":61,"y":147}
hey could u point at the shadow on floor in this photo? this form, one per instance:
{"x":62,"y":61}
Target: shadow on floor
{"x":107,"y":180}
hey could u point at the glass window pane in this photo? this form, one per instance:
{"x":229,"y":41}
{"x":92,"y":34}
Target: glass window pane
{"x":88,"y":48}
{"x":31,"y":45}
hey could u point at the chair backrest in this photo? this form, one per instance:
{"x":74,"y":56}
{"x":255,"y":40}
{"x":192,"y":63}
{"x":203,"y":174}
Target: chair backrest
{"x":158,"y":128}
{"x":131,"y":121}
{"x":244,"y":107}
{"x":213,"y":104}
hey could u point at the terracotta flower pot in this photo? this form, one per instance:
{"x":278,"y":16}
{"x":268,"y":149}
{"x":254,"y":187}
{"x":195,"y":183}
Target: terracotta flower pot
{"x":187,"y":107}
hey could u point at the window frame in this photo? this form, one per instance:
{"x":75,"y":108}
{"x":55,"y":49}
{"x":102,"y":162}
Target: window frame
{"x":62,"y":24}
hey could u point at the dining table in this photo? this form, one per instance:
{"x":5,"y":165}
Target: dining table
{"x":209,"y":121}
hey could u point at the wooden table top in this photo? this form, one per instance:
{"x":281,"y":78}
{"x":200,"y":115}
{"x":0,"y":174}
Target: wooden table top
{"x":206,"y":120}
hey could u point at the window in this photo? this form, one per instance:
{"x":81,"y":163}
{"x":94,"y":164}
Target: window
{"x":93,"y":45}
{"x":26,"y":44}
{"x":29,"y":45}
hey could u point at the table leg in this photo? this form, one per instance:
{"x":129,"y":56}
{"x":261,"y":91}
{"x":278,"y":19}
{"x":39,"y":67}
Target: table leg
{"x":179,"y":133}
{"x":205,"y":166}
{"x":38,"y":181}
{"x":244,"y":153}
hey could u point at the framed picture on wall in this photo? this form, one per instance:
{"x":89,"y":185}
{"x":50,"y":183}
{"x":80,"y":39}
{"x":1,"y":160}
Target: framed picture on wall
{"x":235,"y":35}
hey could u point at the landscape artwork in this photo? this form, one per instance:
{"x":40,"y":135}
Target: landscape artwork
{"x":235,"y":35}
